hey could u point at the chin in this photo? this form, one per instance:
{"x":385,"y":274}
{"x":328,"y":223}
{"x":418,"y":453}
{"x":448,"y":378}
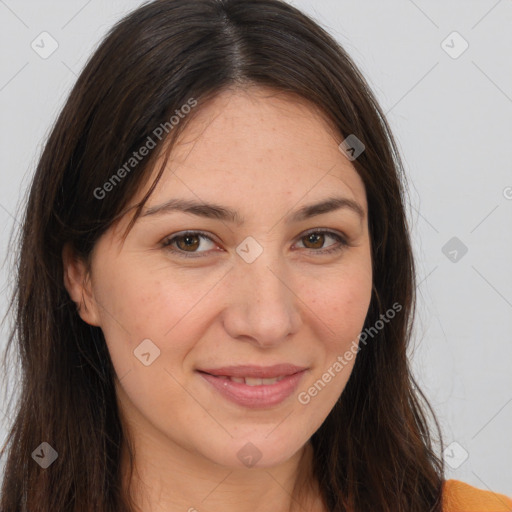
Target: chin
{"x":256,"y":453}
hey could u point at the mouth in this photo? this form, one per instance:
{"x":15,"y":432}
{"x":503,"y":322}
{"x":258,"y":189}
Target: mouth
{"x":249,"y":381}
{"x":276,"y":371}
{"x":254,"y":386}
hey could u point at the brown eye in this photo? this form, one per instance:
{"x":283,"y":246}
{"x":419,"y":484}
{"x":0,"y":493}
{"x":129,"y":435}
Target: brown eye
{"x":316,"y":239}
{"x":186,"y":244}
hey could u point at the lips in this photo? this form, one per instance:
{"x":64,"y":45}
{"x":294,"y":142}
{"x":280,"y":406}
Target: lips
{"x":248,"y":372}
{"x":255,"y":392}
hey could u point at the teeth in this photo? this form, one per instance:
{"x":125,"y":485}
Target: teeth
{"x":250,"y":381}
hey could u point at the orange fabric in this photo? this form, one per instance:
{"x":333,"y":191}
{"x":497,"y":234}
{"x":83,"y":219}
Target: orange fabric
{"x":462,"y":497}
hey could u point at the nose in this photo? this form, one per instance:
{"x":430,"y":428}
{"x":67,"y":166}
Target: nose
{"x":262,"y":306}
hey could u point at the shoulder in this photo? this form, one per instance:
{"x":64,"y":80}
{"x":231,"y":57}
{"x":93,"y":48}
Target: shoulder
{"x":461,"y":497}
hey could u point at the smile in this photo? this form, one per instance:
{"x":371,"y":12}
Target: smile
{"x":253,"y":392}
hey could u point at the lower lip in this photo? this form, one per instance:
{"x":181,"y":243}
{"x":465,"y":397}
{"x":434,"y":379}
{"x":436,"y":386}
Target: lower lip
{"x":255,"y":396}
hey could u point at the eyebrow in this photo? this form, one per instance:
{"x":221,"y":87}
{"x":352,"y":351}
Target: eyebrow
{"x":215,"y":211}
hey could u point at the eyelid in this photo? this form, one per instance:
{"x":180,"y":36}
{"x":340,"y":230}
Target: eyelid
{"x":341,"y":238}
{"x":327,"y":231}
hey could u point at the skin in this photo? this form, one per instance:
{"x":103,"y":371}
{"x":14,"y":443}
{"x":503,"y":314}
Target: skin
{"x":265,"y":155}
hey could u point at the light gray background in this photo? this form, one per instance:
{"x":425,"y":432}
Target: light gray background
{"x":452,"y":118}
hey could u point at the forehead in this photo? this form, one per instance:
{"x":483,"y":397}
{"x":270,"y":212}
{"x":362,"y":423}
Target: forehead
{"x":256,"y":138}
{"x":258,"y":123}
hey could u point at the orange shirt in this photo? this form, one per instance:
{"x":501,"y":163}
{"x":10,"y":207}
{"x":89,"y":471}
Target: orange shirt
{"x":462,"y":497}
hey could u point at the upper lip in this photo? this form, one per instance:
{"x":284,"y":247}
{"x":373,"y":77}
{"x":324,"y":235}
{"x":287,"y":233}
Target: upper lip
{"x":257,"y":372}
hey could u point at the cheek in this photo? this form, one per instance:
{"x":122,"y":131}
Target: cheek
{"x":148,"y":305}
{"x":340,"y":302}
{"x":138,"y":300}
{"x":167,"y":313}
{"x":338,"y":306}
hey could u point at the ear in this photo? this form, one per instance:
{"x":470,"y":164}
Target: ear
{"x":78,"y":284}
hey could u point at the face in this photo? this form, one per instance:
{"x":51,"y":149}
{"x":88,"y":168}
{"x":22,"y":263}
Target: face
{"x":275,"y":285}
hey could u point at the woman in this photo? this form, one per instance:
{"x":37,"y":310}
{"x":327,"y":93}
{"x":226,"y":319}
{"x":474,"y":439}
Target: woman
{"x":216,"y":286}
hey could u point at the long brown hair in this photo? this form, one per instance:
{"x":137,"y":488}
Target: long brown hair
{"x":375,"y":450}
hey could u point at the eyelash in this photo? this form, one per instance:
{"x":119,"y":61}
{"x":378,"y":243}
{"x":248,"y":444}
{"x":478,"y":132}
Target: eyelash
{"x":342,"y":243}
